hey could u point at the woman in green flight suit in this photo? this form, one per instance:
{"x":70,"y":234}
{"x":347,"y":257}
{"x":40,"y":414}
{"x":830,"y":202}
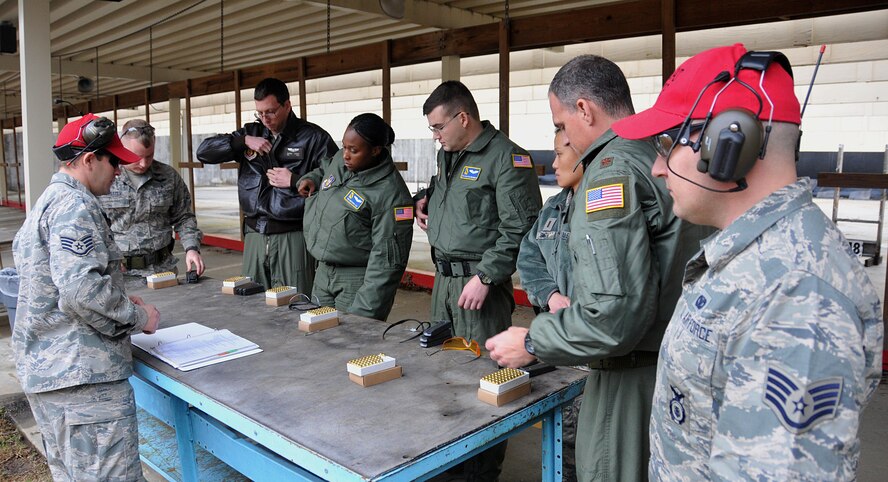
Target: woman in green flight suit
{"x":358,"y":221}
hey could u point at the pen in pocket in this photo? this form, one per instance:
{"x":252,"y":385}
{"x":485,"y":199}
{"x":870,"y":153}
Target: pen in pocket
{"x":591,"y":245}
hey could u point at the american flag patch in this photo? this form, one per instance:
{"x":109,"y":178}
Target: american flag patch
{"x":604,"y":197}
{"x":520,"y":160}
{"x":404,"y":214}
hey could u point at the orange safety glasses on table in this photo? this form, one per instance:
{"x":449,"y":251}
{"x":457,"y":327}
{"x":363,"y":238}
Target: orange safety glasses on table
{"x":460,"y":343}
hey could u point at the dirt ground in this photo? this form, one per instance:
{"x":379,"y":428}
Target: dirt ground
{"x":19,"y":462}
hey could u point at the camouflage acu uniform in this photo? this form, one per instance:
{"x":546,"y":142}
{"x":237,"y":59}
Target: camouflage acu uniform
{"x":72,"y":330}
{"x":773,"y":351}
{"x":143,"y":211}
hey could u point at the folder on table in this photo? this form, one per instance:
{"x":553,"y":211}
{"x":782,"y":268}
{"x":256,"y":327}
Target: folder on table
{"x":193,"y":345}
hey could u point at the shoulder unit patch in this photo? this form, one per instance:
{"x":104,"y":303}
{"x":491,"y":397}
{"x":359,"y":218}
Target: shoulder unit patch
{"x":521,"y":160}
{"x":800,"y":407}
{"x":328,"y":182}
{"x":404,"y":213}
{"x":354,"y":200}
{"x":470,"y":173}
{"x":78,"y":247}
{"x":604,"y":197}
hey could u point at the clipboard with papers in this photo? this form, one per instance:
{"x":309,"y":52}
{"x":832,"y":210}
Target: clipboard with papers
{"x":193,"y":345}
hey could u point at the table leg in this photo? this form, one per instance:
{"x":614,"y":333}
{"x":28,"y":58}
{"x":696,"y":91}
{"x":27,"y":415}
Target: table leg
{"x":185,"y":440}
{"x":551,"y":444}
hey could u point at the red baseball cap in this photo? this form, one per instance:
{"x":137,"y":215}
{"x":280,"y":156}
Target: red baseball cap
{"x":681,"y":90}
{"x":71,"y":139}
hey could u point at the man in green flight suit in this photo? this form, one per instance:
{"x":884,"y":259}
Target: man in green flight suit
{"x":477,"y":208}
{"x":629,"y":251}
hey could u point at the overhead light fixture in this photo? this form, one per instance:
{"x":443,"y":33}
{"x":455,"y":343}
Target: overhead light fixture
{"x":85,"y":85}
{"x":392,"y":8}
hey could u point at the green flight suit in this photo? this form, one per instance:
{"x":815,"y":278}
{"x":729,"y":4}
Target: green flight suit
{"x":545,"y":266}
{"x":544,"y":261}
{"x":359,"y":226}
{"x":481,"y":203}
{"x":629,"y":251}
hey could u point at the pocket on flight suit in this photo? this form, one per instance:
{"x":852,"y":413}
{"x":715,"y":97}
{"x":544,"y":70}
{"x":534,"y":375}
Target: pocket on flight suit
{"x":595,"y":259}
{"x":481,"y":209}
{"x":358,"y":230}
{"x":102,"y":440}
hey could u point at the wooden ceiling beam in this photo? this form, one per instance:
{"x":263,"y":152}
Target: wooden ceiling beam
{"x":630,"y":19}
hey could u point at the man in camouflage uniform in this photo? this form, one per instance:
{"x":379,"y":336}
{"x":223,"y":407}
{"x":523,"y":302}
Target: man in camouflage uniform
{"x":775,"y":346}
{"x":478,"y":206}
{"x":71,"y":336}
{"x":628,"y":250}
{"x":147,"y":201}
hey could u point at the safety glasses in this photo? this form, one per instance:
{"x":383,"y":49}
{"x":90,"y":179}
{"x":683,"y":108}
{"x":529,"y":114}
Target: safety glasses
{"x":139,"y":131}
{"x":460,"y":343}
{"x":414,"y":328}
{"x":666,"y":141}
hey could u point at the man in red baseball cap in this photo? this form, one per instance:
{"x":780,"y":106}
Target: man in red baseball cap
{"x":774,"y":347}
{"x":71,"y":335}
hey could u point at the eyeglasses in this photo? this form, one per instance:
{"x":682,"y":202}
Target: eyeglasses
{"x":436,"y":129}
{"x":269,"y":114}
{"x":112,"y":159}
{"x":414,"y":331}
{"x":665,"y":141}
{"x":136,"y":131}
{"x":460,"y":343}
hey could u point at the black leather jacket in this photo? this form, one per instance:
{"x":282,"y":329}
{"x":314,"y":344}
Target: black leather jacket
{"x":300,"y":148}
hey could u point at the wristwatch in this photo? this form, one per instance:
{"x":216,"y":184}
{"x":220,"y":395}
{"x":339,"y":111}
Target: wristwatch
{"x":485,"y":280}
{"x":528,"y":344}
{"x":192,"y":248}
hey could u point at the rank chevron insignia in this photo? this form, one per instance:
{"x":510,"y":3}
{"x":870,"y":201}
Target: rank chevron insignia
{"x":78,"y":247}
{"x":799,"y":407}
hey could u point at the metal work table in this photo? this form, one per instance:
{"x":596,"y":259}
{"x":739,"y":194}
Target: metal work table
{"x":291,"y":412}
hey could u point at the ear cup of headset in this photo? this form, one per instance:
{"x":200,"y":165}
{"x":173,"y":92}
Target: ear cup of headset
{"x":730,"y":145}
{"x":98,"y":133}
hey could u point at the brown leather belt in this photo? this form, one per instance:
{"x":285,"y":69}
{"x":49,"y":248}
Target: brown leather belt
{"x":636,"y":359}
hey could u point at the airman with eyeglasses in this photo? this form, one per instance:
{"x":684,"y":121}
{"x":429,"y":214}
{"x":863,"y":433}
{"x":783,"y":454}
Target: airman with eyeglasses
{"x":272,"y":153}
{"x":477,"y":208}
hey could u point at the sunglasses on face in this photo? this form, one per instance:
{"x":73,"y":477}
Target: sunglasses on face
{"x":666,"y":140}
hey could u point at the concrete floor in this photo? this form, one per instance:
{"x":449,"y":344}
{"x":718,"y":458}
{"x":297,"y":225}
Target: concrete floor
{"x":523,"y":456}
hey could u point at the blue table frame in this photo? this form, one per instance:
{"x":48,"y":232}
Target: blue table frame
{"x":205,"y":425}
{"x":223,"y":432}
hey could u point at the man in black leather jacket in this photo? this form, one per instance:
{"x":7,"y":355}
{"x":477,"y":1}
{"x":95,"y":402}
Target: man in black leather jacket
{"x":273,"y":152}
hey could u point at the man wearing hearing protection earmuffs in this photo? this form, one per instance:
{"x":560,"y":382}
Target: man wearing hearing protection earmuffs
{"x":71,"y":337}
{"x":775,"y":346}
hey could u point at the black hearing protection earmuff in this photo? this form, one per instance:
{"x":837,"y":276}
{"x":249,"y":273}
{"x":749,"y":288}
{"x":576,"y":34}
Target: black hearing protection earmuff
{"x":96,"y":134}
{"x":732,"y":141}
